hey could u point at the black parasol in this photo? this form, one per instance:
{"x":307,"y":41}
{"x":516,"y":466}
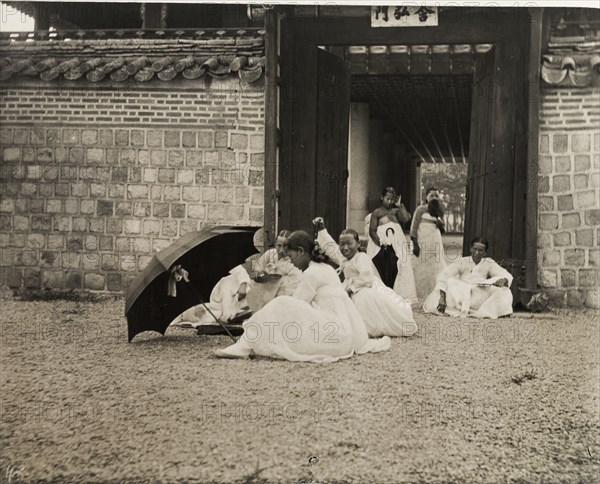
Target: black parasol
{"x":202,"y":257}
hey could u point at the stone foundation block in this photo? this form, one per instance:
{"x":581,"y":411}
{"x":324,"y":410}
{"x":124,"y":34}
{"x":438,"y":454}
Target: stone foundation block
{"x":592,"y":299}
{"x":576,"y":298}
{"x":114,"y":282}
{"x":94,"y":282}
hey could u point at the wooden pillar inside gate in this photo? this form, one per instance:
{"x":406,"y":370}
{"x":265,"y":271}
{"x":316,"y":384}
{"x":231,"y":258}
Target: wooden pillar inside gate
{"x":271,"y":125}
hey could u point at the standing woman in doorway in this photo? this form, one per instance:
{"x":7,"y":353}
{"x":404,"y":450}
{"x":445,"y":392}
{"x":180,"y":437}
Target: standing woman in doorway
{"x":385,"y":230}
{"x":430,"y":258}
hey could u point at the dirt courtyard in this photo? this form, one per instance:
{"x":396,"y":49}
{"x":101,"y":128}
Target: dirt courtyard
{"x":512,"y":400}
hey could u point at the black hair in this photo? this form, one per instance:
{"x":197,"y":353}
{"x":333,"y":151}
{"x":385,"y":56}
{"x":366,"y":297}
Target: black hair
{"x":387,"y":190}
{"x":300,"y":239}
{"x":351,"y":232}
{"x":435,"y":208}
{"x":431,"y":189}
{"x":480,"y":240}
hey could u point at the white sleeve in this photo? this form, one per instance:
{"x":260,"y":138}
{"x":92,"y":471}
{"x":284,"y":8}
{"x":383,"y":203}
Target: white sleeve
{"x":498,"y":271}
{"x":265,"y":259}
{"x":330,"y":247}
{"x":365,"y":276}
{"x":240,"y":274}
{"x":451,"y":270}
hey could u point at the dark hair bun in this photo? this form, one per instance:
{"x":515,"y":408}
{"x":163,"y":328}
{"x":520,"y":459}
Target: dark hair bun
{"x":318,"y":255}
{"x":300,"y":239}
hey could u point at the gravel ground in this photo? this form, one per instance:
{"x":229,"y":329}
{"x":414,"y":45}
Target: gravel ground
{"x":80,"y":404}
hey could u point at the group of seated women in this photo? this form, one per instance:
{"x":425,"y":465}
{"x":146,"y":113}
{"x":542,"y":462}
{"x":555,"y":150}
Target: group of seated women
{"x":318,"y":313}
{"x":322,"y":300}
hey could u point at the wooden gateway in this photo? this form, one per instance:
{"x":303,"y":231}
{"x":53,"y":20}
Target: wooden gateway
{"x":309,"y":72}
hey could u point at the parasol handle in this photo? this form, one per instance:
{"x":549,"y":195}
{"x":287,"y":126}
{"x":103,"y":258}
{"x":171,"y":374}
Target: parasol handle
{"x":178,"y":273}
{"x":218,"y":320}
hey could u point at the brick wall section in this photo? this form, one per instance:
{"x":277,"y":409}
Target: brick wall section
{"x":568,"y":195}
{"x":95,"y":180}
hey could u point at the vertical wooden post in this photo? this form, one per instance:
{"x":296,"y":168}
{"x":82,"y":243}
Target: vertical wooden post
{"x":536,"y":16}
{"x":412,"y":200}
{"x":417,"y":198}
{"x":271,"y":124}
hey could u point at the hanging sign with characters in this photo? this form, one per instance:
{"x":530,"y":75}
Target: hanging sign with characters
{"x":407,"y":15}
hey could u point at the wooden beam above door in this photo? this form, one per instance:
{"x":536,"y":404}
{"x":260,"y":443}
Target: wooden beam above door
{"x":411,"y":59}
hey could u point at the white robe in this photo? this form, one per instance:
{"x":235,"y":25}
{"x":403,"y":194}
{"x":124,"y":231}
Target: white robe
{"x":224,"y":302}
{"x":405,"y":280}
{"x":384,"y":312}
{"x":431,"y":261}
{"x":260,"y":294}
{"x":318,"y":324}
{"x":265,"y":260}
{"x":469,"y":290}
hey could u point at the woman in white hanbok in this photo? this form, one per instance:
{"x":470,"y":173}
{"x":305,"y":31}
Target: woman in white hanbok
{"x":384,"y":312}
{"x":431,"y":260}
{"x":472,"y":286}
{"x":229,"y":296}
{"x":274,"y":261}
{"x":319,"y":323}
{"x":270,"y":257}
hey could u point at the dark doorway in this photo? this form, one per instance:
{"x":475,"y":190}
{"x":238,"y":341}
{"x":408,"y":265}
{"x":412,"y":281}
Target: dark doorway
{"x":427,"y":120}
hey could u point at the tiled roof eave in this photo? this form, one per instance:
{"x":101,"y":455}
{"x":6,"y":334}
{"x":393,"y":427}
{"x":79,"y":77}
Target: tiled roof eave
{"x":571,"y":69}
{"x":138,"y":60}
{"x":131,"y":46}
{"x":140,"y":68}
{"x":249,"y":46}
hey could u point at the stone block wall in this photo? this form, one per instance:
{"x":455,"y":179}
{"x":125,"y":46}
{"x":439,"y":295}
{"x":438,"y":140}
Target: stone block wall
{"x":569,"y":195}
{"x":94,"y":179}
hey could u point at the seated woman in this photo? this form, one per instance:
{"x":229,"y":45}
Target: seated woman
{"x":383,"y":311}
{"x":474,"y":286}
{"x":319,"y":323}
{"x":261,"y":289}
{"x":274,"y":261}
{"x":228,"y":297}
{"x":271,"y":256}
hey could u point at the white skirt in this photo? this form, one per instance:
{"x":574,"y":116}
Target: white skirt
{"x":291,"y":329}
{"x":464,"y":299}
{"x":384,"y":312}
{"x":431,"y":261}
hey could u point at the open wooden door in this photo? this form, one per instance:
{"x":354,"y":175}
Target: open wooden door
{"x":482,"y":116}
{"x":313,"y":168}
{"x":333,"y":111}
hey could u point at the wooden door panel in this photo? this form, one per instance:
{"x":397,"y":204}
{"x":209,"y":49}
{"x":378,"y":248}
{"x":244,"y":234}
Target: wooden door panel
{"x":314,"y":123}
{"x":332,"y":140}
{"x":482,"y":117}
